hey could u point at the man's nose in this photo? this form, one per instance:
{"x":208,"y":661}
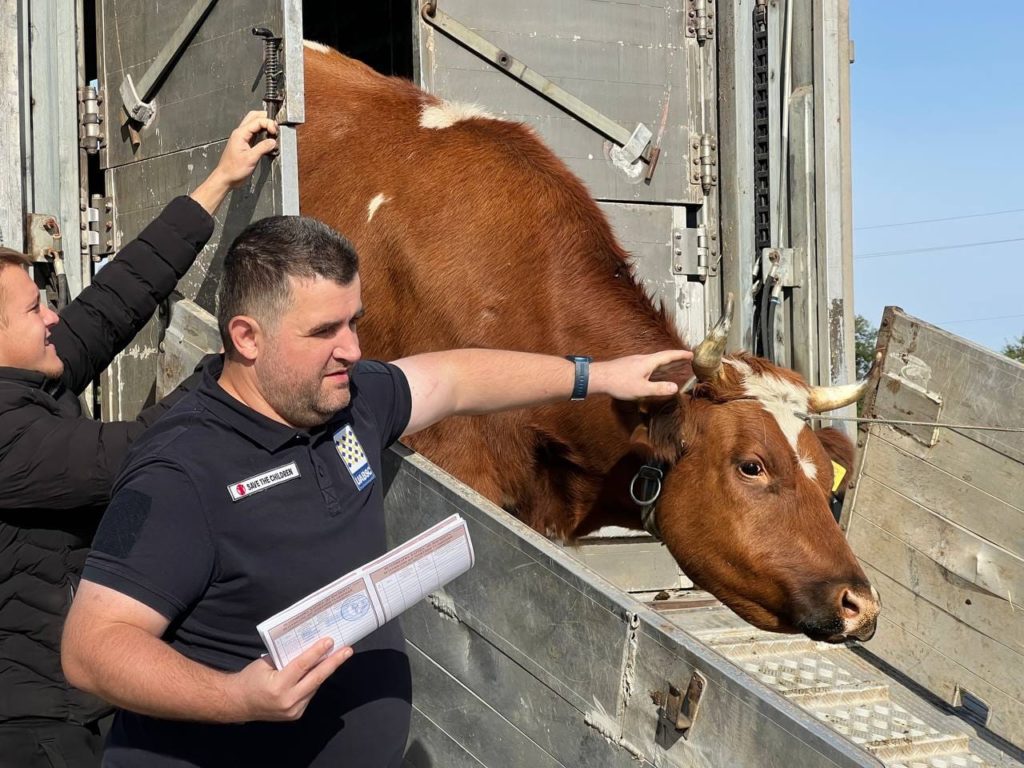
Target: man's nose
{"x":348,"y":348}
{"x":50,"y":318}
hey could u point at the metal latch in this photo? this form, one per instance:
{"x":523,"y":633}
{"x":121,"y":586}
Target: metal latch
{"x":42,"y":237}
{"x":273,"y":74}
{"x":98,"y":227}
{"x":677,"y":712}
{"x":90,"y":131}
{"x":137,"y":97}
{"x":778,"y":266}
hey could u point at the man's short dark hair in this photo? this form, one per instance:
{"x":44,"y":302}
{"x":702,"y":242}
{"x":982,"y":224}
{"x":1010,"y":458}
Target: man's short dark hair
{"x":261,"y":259}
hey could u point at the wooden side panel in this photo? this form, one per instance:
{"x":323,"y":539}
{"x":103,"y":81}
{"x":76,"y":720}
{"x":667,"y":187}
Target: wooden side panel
{"x":937,"y":518}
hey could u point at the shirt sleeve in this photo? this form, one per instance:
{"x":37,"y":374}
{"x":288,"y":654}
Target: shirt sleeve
{"x":383,"y":389}
{"x":154,"y":542}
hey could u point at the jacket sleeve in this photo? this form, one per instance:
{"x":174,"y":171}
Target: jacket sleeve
{"x":124,"y":294}
{"x":59,"y":463}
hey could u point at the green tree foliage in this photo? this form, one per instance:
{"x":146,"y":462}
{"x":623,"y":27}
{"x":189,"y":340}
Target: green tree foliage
{"x":864,"y":344}
{"x":1015,"y":349}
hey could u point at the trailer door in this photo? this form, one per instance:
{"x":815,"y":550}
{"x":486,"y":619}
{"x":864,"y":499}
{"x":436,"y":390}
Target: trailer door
{"x":632,"y":72}
{"x":204,"y":69}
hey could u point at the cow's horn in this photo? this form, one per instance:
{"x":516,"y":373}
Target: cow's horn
{"x":824,"y":399}
{"x":707,"y":357}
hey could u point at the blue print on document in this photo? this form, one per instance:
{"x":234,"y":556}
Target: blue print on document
{"x":353,"y":456}
{"x":355,"y":607}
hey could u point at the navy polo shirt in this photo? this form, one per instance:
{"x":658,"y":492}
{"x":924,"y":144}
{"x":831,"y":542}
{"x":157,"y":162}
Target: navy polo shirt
{"x":222,"y":517}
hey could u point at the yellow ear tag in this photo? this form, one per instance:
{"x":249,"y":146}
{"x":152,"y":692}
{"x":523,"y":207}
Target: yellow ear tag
{"x":838,"y":473}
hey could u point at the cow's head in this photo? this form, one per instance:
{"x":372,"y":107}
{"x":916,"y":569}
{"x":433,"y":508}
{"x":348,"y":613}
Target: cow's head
{"x":744,"y":506}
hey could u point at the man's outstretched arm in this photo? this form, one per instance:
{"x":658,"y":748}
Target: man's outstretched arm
{"x":473,"y":381}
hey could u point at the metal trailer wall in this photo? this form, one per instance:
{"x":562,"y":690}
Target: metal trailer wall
{"x":531,"y":660}
{"x":808,"y":165}
{"x":40,"y":67}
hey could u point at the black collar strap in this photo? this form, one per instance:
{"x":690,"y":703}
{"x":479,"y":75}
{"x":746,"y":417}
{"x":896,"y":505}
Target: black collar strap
{"x":645,"y":489}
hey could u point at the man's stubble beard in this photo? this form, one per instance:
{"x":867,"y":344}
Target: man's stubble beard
{"x":299,"y":401}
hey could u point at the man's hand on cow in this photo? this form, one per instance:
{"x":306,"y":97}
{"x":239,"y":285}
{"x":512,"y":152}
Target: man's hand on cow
{"x":238,"y":160}
{"x":265,"y":693}
{"x":629,"y":378}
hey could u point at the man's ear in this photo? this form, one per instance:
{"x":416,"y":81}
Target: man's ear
{"x":247,"y":336}
{"x":840,"y":449}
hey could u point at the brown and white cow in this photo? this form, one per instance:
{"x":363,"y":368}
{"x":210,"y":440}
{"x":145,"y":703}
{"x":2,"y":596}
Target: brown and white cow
{"x":473,"y":234}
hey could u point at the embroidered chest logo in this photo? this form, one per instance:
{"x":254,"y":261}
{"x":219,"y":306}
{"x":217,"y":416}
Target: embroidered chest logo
{"x":261,"y":482}
{"x":353,"y":456}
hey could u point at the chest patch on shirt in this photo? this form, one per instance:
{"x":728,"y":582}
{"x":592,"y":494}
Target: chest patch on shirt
{"x":353,"y":456}
{"x":261,"y":482}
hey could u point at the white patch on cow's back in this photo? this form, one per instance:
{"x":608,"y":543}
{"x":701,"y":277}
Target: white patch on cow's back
{"x":782,"y":399}
{"x":448,"y":113}
{"x":378,"y":200}
{"x":808,"y":466}
{"x":315,"y":46}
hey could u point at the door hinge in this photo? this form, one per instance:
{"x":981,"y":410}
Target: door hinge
{"x":704,"y":160}
{"x":90,"y":119}
{"x":700,"y":20}
{"x":690,"y":252}
{"x":98,"y":226}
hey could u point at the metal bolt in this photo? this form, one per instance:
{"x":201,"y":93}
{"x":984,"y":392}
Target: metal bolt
{"x":677,"y":267}
{"x":679,"y":251}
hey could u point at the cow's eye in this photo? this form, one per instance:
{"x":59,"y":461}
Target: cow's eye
{"x":751,"y":468}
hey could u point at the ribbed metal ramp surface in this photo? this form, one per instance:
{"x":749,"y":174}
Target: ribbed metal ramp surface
{"x":844,"y":690}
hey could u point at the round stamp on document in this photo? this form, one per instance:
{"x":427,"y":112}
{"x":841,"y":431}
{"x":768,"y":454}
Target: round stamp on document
{"x":355,"y":607}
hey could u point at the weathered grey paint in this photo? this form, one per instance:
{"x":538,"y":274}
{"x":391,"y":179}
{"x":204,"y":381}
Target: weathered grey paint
{"x":55,"y":187}
{"x":214,"y":83}
{"x":12,"y":211}
{"x":936,"y":517}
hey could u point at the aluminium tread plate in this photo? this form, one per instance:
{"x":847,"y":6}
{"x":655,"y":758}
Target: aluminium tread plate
{"x":843,"y":689}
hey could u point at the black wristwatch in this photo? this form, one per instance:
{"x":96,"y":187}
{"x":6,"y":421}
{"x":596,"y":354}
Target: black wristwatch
{"x":582,"y":377}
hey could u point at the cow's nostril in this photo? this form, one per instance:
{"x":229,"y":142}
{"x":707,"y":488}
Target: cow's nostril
{"x":851,"y":605}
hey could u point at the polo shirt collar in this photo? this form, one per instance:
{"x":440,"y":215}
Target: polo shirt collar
{"x":271,"y":435}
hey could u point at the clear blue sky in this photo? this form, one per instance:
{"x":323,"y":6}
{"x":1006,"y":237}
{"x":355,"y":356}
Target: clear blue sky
{"x":937,"y":92}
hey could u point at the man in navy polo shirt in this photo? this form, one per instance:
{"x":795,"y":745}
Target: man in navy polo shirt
{"x":262,"y":486}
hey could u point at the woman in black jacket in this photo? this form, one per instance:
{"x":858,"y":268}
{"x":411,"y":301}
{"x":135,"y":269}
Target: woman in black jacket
{"x":57,"y":467}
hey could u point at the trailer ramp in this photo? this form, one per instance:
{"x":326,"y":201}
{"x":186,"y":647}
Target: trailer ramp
{"x":844,"y":687}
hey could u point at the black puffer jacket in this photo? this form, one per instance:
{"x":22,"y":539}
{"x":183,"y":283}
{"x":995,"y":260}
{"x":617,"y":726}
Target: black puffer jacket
{"x":57,"y":467}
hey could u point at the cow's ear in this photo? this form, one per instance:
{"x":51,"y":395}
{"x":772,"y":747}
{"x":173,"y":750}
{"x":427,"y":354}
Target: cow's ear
{"x":840,"y":449}
{"x":679,"y":372}
{"x":659,"y":435}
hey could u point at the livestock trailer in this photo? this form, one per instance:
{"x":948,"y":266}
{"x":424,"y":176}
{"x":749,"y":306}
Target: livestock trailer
{"x":715,"y":136}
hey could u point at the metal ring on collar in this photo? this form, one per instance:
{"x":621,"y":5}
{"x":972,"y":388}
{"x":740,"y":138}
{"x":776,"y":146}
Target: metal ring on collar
{"x":647,"y":473}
